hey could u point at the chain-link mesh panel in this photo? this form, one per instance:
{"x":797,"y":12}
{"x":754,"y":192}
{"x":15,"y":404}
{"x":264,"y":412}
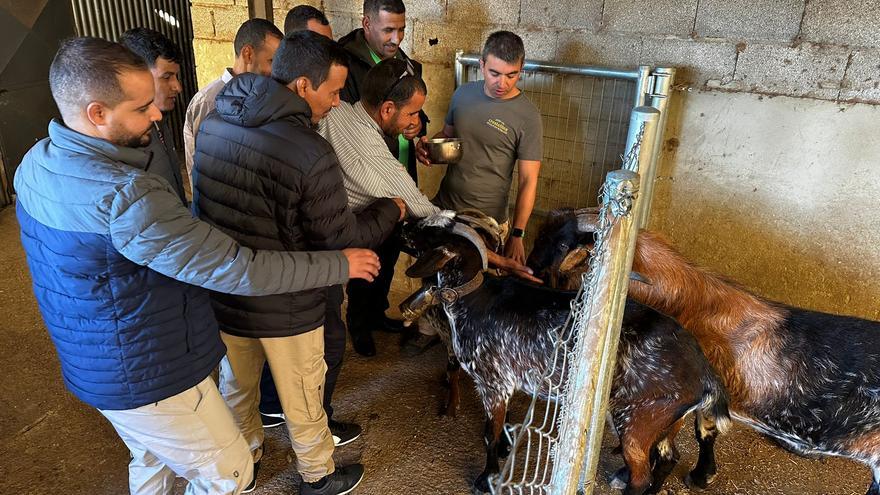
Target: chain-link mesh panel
{"x":535,"y":442}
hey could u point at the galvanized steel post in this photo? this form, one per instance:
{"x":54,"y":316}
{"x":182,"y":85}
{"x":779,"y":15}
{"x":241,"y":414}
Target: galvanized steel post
{"x":642,"y":133}
{"x":589,"y":384}
{"x":660,"y":96}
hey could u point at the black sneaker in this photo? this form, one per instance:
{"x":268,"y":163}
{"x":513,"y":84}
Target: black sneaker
{"x":417,"y":344}
{"x":343,"y":433}
{"x":271,"y":420}
{"x":253,"y":484}
{"x":342,"y":481}
{"x":391,"y":325}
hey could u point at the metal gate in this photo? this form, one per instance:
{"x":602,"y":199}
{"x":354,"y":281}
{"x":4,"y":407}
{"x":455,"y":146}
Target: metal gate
{"x":108,"y":20}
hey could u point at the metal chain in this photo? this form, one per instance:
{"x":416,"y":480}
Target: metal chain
{"x":534,"y":442}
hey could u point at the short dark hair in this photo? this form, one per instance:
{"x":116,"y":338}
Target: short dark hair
{"x":150,"y":45}
{"x":253,"y":32}
{"x":505,"y":45}
{"x":391,"y":80}
{"x":298,"y":18}
{"x":372,"y":7}
{"x":87,"y":69}
{"x":309,"y":54}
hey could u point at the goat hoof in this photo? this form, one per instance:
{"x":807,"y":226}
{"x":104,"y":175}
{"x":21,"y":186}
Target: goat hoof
{"x":482,"y":482}
{"x":698,"y":482}
{"x":448,"y":412}
{"x":620,"y":479}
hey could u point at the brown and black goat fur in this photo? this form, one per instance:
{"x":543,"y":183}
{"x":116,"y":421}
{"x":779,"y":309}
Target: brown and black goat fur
{"x":809,"y":380}
{"x":503,"y":333}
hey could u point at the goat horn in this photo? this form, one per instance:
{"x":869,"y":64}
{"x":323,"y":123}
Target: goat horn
{"x":587,"y":221}
{"x":470,"y":234}
{"x":488,"y":224}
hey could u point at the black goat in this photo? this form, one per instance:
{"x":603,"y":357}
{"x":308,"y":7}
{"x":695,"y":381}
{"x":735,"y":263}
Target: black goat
{"x":502,"y":331}
{"x":808,"y":380}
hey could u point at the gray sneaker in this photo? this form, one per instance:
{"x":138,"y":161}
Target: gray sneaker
{"x":342,"y":481}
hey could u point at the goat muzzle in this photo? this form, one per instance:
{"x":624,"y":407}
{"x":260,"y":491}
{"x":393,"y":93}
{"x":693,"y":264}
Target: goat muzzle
{"x":414,"y":306}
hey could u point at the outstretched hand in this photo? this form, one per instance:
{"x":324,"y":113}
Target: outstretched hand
{"x":514,"y":267}
{"x":362,"y":264}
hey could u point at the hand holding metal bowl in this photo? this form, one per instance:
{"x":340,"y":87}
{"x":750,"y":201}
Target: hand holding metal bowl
{"x":444,"y":150}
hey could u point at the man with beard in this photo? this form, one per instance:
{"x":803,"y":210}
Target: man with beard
{"x":164,"y":59}
{"x":384,"y":25}
{"x":119,"y":267}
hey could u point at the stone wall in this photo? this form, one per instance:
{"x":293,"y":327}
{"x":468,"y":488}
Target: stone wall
{"x":769,"y":172}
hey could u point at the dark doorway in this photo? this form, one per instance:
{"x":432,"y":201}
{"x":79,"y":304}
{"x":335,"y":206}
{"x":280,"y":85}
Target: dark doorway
{"x":31,"y":33}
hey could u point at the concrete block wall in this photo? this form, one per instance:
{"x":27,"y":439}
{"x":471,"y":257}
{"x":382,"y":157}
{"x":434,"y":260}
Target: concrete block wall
{"x":770,"y":164}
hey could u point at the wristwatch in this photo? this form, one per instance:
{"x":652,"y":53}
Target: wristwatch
{"x":517,"y":232}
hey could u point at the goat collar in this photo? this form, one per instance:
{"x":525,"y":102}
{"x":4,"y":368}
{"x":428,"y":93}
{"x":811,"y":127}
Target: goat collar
{"x":450,"y":295}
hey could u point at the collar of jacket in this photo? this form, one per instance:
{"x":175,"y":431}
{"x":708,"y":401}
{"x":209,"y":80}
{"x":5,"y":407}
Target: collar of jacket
{"x":356,"y":44}
{"x":252,"y":100}
{"x":66,"y":138}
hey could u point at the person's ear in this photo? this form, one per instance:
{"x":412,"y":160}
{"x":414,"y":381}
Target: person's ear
{"x":96,"y":112}
{"x":247,"y":55}
{"x":365,"y":23}
{"x":300,"y":85}
{"x":387,"y":109}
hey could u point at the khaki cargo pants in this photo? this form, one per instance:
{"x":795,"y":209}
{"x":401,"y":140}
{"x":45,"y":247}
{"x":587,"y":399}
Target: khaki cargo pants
{"x":192,"y":435}
{"x":298,"y":368}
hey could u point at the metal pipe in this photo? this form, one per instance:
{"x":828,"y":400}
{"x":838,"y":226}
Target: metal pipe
{"x":588,"y":387}
{"x":459,"y":68}
{"x":582,"y":70}
{"x":660,"y":96}
{"x":642,"y":133}
{"x":642,"y":85}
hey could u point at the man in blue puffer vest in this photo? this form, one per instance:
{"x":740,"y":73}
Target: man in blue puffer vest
{"x":119,"y":265}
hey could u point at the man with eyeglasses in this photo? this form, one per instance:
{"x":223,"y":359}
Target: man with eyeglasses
{"x":392,"y":97}
{"x":384,"y":25}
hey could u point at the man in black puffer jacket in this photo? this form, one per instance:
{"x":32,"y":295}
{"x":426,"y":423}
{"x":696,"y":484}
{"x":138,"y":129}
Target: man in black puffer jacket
{"x":264,"y":175}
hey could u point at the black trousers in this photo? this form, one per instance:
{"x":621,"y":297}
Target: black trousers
{"x":367,"y":301}
{"x":334,"y":352}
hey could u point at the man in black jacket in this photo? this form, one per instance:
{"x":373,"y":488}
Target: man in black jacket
{"x":384,"y":24}
{"x":163,"y":58}
{"x":264,"y":175}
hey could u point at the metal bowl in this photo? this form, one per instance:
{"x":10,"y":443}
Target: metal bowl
{"x":444,"y":150}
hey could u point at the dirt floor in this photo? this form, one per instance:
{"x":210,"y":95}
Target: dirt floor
{"x":50,"y":443}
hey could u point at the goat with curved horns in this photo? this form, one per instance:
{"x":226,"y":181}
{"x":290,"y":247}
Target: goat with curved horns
{"x":808,"y":380}
{"x":502,"y":331}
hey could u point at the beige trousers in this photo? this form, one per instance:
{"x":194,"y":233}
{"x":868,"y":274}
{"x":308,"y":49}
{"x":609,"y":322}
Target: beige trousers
{"x":298,"y":368}
{"x":192,"y":435}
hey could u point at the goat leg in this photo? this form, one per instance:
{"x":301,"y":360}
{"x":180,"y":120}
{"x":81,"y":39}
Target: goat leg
{"x":705,"y":470}
{"x":664,"y":458}
{"x":494,"y":425}
{"x":453,"y":397}
{"x":874,"y":489}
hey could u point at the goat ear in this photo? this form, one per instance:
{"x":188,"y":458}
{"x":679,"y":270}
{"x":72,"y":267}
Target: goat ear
{"x":430,"y":263}
{"x":575,"y":259}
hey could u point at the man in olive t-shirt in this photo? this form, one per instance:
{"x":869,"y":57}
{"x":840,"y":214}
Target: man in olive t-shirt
{"x":499,"y":128}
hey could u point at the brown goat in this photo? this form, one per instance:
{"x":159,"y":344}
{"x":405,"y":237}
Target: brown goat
{"x":808,"y":380}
